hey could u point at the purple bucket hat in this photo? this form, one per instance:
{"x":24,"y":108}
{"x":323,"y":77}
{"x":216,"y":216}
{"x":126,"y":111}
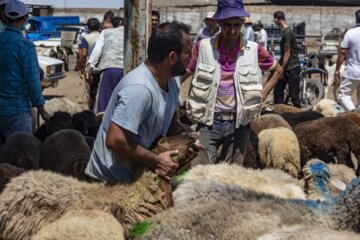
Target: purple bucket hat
{"x":230,"y":8}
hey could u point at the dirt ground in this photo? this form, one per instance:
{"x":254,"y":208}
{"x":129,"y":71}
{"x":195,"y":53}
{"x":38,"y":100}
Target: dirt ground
{"x":73,"y":88}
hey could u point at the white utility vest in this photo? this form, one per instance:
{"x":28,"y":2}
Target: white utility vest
{"x":204,"y":85}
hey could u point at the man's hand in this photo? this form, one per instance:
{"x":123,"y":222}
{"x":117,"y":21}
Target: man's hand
{"x":194,"y":149}
{"x":337,"y":78}
{"x":165,"y":167}
{"x":45,"y":115}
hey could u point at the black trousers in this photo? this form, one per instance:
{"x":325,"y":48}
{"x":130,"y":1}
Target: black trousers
{"x":292,"y":78}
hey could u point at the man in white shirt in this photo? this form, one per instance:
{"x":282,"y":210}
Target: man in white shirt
{"x":350,"y":48}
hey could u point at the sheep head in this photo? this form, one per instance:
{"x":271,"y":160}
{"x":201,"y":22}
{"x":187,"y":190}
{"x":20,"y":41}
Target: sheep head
{"x":181,"y":142}
{"x":317,"y":174}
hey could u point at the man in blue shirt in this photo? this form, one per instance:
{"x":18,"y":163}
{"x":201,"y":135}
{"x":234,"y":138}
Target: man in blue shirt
{"x":141,"y":109}
{"x":20,"y":87}
{"x":2,"y":16}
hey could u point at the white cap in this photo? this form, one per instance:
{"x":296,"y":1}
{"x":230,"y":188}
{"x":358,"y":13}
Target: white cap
{"x":209,"y":15}
{"x":15,"y":9}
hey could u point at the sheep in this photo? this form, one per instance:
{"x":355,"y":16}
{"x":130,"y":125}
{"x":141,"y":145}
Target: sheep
{"x":295,"y":118}
{"x":35,"y":199}
{"x":316,"y":174}
{"x":331,"y":77}
{"x":8,"y":172}
{"x":62,"y":105}
{"x":23,"y":150}
{"x":326,"y":138}
{"x":271,"y":181}
{"x":328,"y":108}
{"x":304,"y":232}
{"x":268,"y":121}
{"x":353,"y":116}
{"x":66,"y":152}
{"x":252,"y":219}
{"x":279,"y":148}
{"x":279,"y":109}
{"x":82,"y":225}
{"x":59,"y":121}
{"x":86,"y":123}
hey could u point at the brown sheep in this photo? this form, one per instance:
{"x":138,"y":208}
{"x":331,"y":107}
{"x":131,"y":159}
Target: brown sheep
{"x":326,"y":138}
{"x":8,"y":172}
{"x":353,"y":116}
{"x":35,"y":199}
{"x":279,"y":109}
{"x":83,"y":225}
{"x":268,"y":121}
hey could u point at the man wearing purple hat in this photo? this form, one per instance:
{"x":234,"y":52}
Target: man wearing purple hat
{"x":19,"y":75}
{"x":226,"y":92}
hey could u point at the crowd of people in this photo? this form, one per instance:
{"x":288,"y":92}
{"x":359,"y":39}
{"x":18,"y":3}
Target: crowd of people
{"x":226,"y":60}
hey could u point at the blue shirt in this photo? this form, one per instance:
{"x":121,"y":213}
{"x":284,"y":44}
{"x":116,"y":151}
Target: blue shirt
{"x":20,"y":86}
{"x":140,"y":106}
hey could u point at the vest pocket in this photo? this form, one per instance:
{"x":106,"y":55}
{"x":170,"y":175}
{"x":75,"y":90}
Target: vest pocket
{"x":251,"y":112}
{"x":203,"y":81}
{"x":195,"y":110}
{"x":249,"y":75}
{"x":251,"y":94}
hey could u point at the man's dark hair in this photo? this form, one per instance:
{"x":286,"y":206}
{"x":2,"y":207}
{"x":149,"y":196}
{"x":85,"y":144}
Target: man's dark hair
{"x":155,"y":13}
{"x":93,"y":24}
{"x":108,"y":16}
{"x":280,"y":15}
{"x":357,"y":16}
{"x":166,"y":38}
{"x":116,"y":21}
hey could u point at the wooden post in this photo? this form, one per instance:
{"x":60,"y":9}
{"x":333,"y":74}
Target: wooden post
{"x":137,"y":32}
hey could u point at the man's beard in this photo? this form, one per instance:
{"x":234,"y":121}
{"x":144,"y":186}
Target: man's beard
{"x":178,"y":69}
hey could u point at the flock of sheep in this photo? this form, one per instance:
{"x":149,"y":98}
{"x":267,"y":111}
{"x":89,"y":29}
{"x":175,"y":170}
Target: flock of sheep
{"x":283,"y":191}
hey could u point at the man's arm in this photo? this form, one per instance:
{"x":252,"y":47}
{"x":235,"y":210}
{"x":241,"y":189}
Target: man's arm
{"x":186,"y":75}
{"x":272,"y":80}
{"x":96,"y":53}
{"x":123,"y":143}
{"x":339,"y":62}
{"x":286,"y":57}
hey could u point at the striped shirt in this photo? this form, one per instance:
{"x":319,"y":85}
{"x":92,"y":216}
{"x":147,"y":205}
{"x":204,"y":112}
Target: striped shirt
{"x":226,"y":95}
{"x":20,"y":86}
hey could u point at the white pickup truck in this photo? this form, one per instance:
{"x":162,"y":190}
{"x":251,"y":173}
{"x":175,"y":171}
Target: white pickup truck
{"x":52,"y":70}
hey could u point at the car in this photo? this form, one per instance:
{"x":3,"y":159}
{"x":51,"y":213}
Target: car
{"x":52,"y":70}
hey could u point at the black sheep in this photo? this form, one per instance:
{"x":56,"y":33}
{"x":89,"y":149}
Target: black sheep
{"x":86,"y":123}
{"x":295,"y":118}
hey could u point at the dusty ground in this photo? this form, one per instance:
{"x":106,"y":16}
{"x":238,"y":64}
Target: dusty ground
{"x":73,"y":88}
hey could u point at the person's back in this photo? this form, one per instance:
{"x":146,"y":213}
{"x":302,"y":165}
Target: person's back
{"x":113,"y":50}
{"x":352,"y":43}
{"x":288,"y":37}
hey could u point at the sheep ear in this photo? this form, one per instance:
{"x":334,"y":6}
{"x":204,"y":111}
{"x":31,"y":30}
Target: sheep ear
{"x":338,"y":184}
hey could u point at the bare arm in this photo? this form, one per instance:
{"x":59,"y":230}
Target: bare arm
{"x":339,"y":62}
{"x":286,"y":57}
{"x":123,"y":143}
{"x":82,"y":61}
{"x":272,"y":80}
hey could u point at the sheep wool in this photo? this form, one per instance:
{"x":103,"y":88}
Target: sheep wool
{"x":270,"y":181}
{"x":279,"y":148}
{"x":328,"y":108}
{"x":37,"y":198}
{"x":268,"y":121}
{"x":83,"y":225}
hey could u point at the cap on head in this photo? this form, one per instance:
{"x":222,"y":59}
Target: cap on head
{"x":247,"y":20}
{"x":230,"y":8}
{"x":15,"y":9}
{"x":2,"y":2}
{"x":209,"y":15}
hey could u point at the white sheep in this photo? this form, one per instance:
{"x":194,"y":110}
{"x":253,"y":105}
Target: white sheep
{"x":82,"y":225}
{"x":328,"y":108}
{"x":340,"y":176}
{"x":62,"y":105}
{"x":271,"y":181}
{"x":279,"y":148}
{"x":251,"y":219}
